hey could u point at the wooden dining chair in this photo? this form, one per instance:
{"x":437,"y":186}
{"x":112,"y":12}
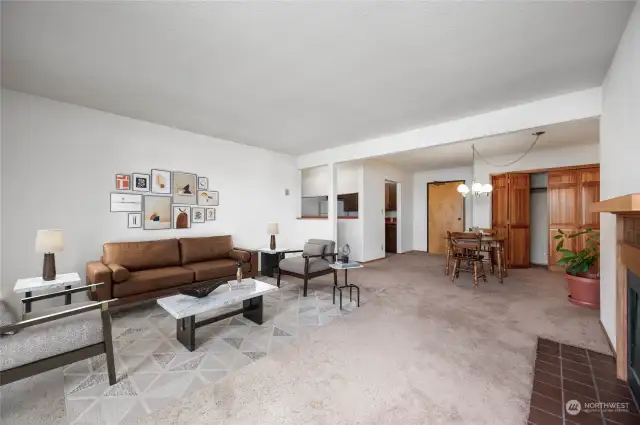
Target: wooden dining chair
{"x":466,"y":251}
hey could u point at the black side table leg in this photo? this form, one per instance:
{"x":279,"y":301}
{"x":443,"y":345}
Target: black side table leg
{"x":334,"y":295}
{"x":27,"y":305}
{"x":186,"y":332}
{"x":67,"y":298}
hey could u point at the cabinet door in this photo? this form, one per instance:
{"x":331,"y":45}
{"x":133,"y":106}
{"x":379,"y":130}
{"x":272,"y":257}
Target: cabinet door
{"x":589,"y":179}
{"x":519,"y":220}
{"x":500,"y":208}
{"x":386,"y":196}
{"x":393,"y":204}
{"x":564,"y":210}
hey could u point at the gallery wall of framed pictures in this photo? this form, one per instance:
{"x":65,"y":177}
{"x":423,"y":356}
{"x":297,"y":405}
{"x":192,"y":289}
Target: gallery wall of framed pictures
{"x":164,"y":199}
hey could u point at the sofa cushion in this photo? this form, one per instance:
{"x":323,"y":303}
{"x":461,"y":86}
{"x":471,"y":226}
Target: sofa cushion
{"x":215,"y":269}
{"x":296,"y":265}
{"x":196,"y":250}
{"x":151,"y":280}
{"x":50,"y":339}
{"x":136,"y":256}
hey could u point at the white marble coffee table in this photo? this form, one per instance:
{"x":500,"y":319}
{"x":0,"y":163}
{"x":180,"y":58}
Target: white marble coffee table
{"x":184,"y":308}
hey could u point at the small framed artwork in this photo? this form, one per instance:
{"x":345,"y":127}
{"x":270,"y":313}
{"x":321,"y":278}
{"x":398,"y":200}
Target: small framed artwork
{"x":141,"y":182}
{"x":157,"y":212}
{"x":161,"y":181}
{"x":211,"y":214}
{"x":135,"y":220}
{"x":203,"y":183}
{"x":197,"y":215}
{"x":181,"y":217}
{"x":123,"y":182}
{"x":125,"y":202}
{"x":184,"y":188}
{"x":208,"y":198}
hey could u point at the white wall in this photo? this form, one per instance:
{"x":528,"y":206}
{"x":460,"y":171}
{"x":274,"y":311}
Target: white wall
{"x":315,"y":181}
{"x":58,"y":167}
{"x":420,"y":202}
{"x":536,"y":159}
{"x":539,"y":228}
{"x":375,"y":174}
{"x":348,"y":177}
{"x":619,"y":152}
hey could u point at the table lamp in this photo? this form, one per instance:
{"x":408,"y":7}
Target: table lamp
{"x":49,"y":242}
{"x":272,"y":229}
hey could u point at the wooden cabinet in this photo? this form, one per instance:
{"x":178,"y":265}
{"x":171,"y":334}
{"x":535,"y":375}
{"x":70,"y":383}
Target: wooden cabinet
{"x":391,"y":237}
{"x":350,"y":202}
{"x":571,"y":195}
{"x":390,"y":196}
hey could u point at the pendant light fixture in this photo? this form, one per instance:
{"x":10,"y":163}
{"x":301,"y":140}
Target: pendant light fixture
{"x":477,"y":189}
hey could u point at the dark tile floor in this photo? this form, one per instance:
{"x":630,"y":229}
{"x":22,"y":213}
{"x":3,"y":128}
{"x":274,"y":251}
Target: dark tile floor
{"x":563,"y":373}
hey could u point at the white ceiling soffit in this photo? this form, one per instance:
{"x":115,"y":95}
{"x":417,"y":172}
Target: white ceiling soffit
{"x":299,"y":77}
{"x":574,"y":133}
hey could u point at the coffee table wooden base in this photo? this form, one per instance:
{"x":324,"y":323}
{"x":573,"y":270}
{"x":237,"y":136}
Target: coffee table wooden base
{"x":186,"y":328}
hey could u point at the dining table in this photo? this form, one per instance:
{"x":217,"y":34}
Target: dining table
{"x":490,"y":243}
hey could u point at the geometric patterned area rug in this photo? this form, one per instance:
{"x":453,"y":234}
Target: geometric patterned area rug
{"x":573,"y":385}
{"x":154,"y":369}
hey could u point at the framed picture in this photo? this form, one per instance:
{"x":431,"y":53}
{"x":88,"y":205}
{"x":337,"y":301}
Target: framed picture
{"x":211,"y":214}
{"x":125,"y":202}
{"x":123,"y":182}
{"x":203,"y":183}
{"x":161,"y":181}
{"x":197,"y":215}
{"x":135,"y":220}
{"x":184,"y":188}
{"x":181,"y":217}
{"x":157,"y":212}
{"x":208,"y":198}
{"x":141,"y":182}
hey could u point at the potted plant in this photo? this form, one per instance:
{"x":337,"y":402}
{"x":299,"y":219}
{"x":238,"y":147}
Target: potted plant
{"x":582,"y":273}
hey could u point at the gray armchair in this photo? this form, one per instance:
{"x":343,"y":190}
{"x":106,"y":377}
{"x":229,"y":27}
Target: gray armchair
{"x":56,"y":337}
{"x":312,"y":263}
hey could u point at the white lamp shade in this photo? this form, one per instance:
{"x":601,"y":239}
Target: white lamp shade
{"x":476,"y":187}
{"x":487,"y":188}
{"x":463,"y":189}
{"x":49,"y":241}
{"x":272,"y":228}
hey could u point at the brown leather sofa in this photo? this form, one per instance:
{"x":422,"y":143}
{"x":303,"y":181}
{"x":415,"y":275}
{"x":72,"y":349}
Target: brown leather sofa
{"x":136,"y":271}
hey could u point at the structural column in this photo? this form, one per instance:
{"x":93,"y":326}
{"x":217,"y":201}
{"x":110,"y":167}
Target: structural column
{"x":333,"y":202}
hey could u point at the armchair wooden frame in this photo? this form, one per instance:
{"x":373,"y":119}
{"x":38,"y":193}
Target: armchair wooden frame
{"x":39,"y":366}
{"x":306,"y":276}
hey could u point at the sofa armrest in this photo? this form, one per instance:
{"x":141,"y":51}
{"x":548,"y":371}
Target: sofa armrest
{"x":240,"y":255}
{"x":99,"y":273}
{"x":253,"y":262}
{"x":119,"y":273}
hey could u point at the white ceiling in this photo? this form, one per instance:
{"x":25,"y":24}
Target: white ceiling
{"x":303,"y":76}
{"x":582,"y":132}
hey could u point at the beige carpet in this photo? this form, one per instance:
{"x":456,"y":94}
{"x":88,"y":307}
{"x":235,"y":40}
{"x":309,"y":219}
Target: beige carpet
{"x":423,"y":351}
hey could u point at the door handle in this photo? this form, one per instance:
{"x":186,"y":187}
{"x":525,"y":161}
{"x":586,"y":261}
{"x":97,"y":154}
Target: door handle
{"x":459,"y":218}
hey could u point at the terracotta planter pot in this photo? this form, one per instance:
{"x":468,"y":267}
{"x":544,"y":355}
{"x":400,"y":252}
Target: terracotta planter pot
{"x":584,"y":291}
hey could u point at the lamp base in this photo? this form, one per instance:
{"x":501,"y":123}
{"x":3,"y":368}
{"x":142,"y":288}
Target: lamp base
{"x":273,"y":243}
{"x":49,"y":267}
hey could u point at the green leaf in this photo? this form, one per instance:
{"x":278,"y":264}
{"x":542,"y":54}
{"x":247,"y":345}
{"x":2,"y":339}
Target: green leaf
{"x":567,"y":252}
{"x":563,"y":261}
{"x":560,"y":231}
{"x":556,"y":237}
{"x":560,"y":245}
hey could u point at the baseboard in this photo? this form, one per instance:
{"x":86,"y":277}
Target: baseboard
{"x":539,"y":266}
{"x":606,"y":335}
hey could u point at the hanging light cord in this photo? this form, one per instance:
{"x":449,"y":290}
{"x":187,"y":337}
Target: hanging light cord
{"x":537,"y":134}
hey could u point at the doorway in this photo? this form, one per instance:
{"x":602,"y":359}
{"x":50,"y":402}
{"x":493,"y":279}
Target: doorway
{"x":445,"y":211}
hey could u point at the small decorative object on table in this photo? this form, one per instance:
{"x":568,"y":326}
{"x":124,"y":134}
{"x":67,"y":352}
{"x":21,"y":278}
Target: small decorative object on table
{"x":272,"y":229}
{"x":239,"y":270}
{"x":49,"y":242}
{"x":202,"y":290}
{"x":344,"y":253}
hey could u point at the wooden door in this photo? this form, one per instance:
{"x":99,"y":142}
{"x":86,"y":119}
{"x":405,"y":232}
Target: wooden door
{"x":500,"y":208}
{"x":562,"y":190}
{"x":393,"y":193}
{"x":445,"y":211}
{"x":518,"y":253}
{"x":589,"y":193}
{"x":386,"y":196}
